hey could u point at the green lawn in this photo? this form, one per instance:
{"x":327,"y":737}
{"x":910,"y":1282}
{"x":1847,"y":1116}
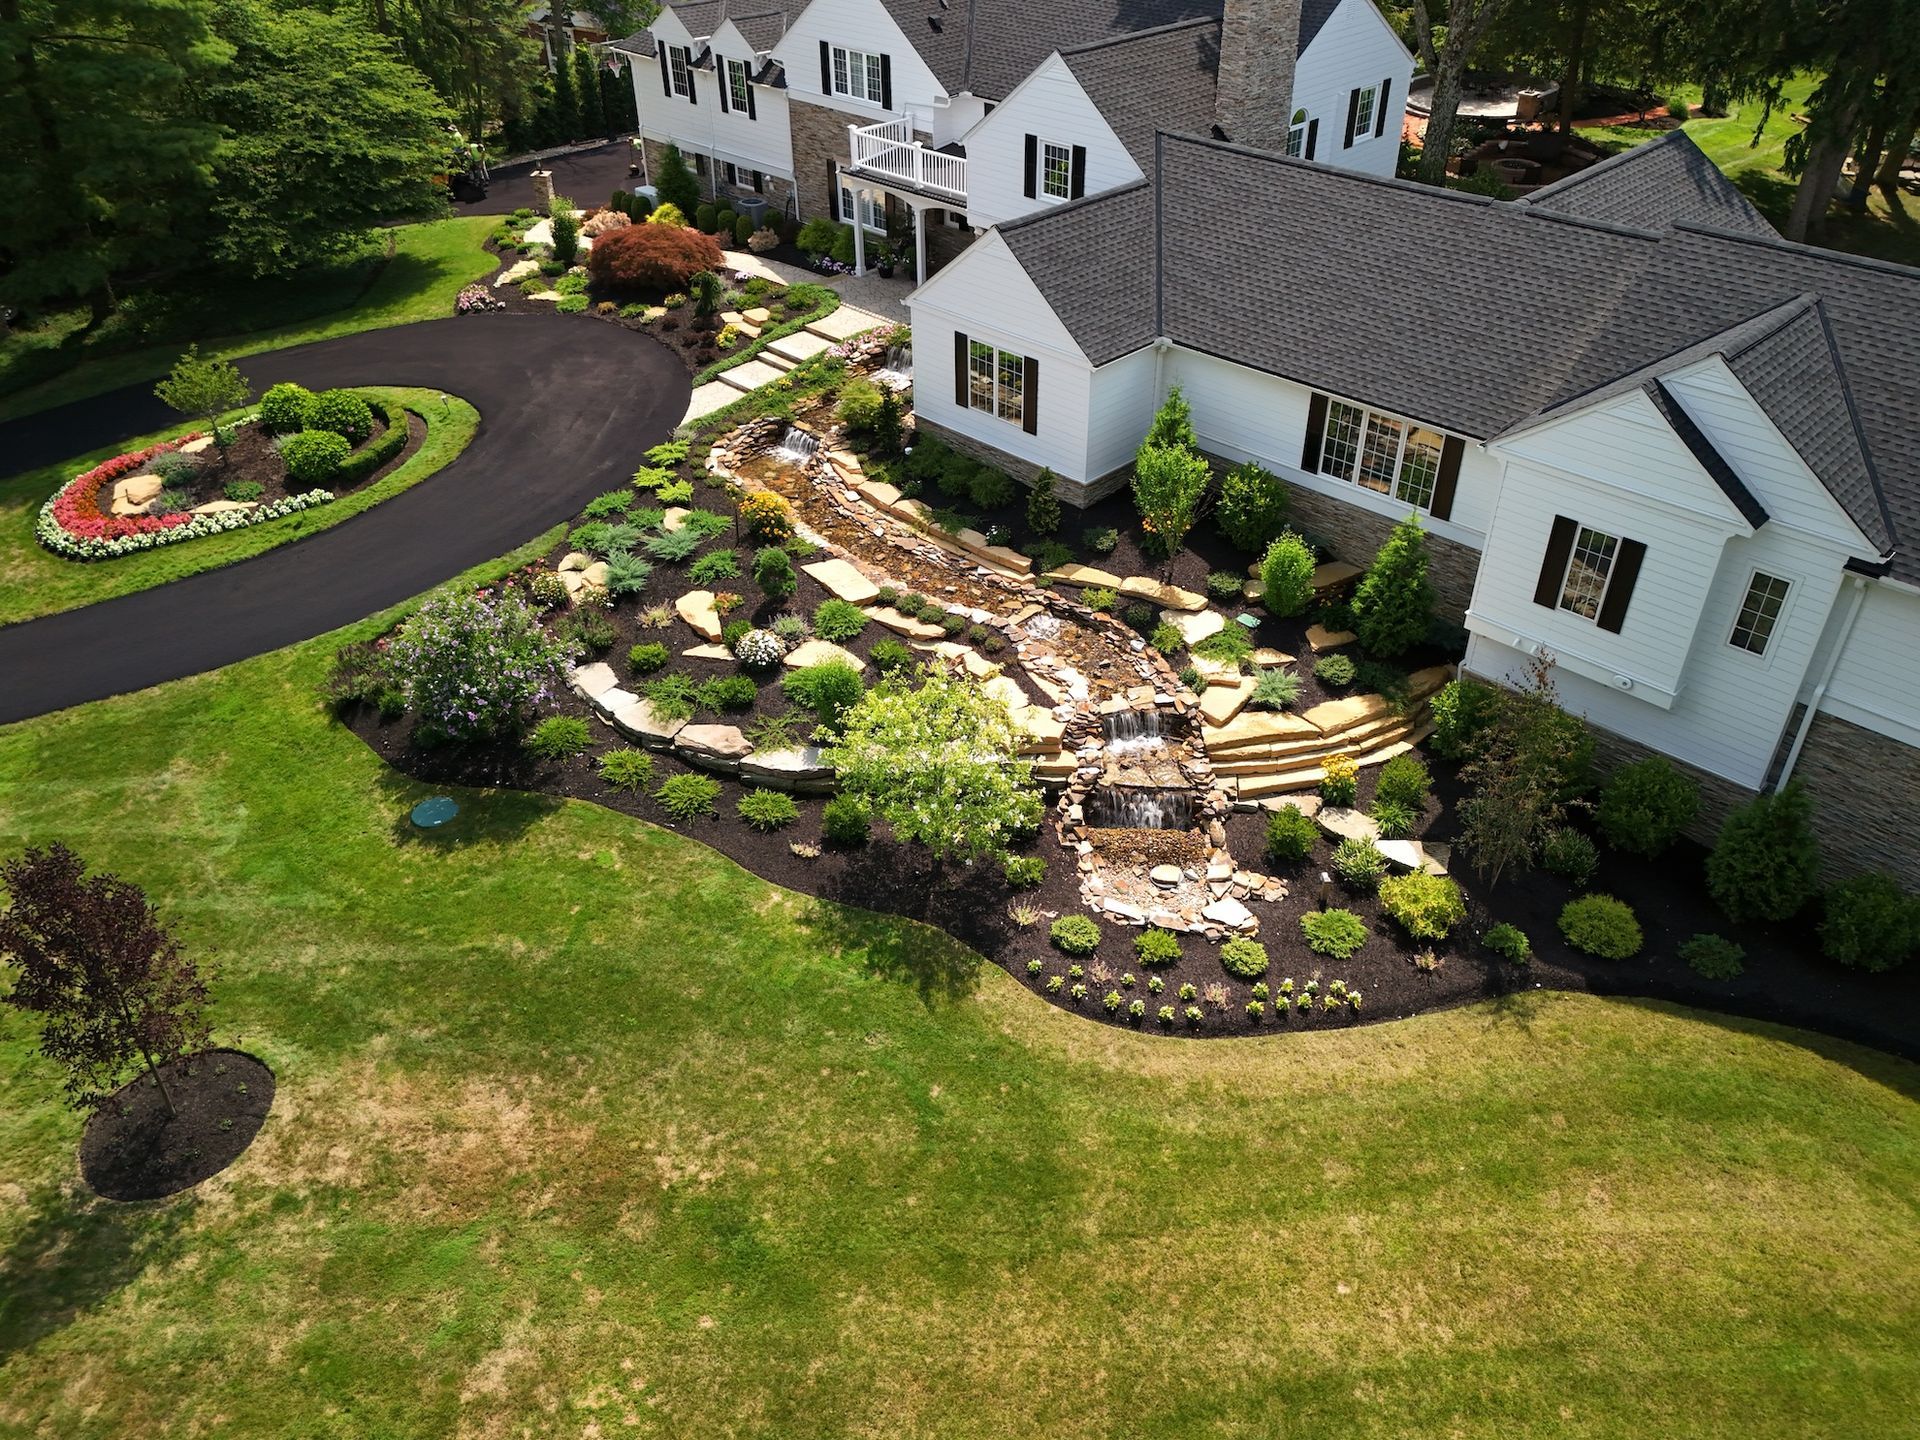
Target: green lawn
{"x":34,"y":581}
{"x":429,"y":265}
{"x":1889,"y":230}
{"x":582,"y":1130}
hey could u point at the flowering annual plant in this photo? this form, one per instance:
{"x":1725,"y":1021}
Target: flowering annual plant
{"x":474,"y":665}
{"x":476,"y":298}
{"x":73,"y":524}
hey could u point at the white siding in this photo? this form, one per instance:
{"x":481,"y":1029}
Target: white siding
{"x":1355,"y":48}
{"x":952,"y":121}
{"x":1244,"y":414}
{"x":859,"y":25}
{"x":1876,"y":683}
{"x":1119,"y":411}
{"x":988,"y":296}
{"x":1050,"y":104}
{"x":699,"y":127}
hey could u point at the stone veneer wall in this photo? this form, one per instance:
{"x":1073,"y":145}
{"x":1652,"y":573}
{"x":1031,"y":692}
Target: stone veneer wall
{"x":1866,"y":792}
{"x":819,"y":140}
{"x":1719,"y":796}
{"x":1355,"y":535}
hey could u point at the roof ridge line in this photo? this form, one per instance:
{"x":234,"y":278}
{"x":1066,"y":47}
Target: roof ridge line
{"x":1802,"y":247}
{"x":1819,"y":310}
{"x":1786,"y":311}
{"x":1151,"y":32}
{"x":1618,"y":158}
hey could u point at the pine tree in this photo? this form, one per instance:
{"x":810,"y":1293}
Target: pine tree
{"x":1043,"y":506}
{"x":1173,"y":422}
{"x":617,"y":100}
{"x":1393,"y":608}
{"x":586,"y":85}
{"x":566,"y":101}
{"x":675,"y":183}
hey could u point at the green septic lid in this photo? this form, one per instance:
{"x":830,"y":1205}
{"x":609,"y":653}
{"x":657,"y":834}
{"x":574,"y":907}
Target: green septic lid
{"x":1252,"y":622}
{"x":434,"y":812}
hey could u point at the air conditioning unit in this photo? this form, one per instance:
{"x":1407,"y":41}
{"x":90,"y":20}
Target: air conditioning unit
{"x":754,"y":207}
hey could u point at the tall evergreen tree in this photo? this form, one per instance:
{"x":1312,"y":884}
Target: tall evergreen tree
{"x":586,"y":86}
{"x":566,"y":99}
{"x":618,"y":100}
{"x":1393,"y":606}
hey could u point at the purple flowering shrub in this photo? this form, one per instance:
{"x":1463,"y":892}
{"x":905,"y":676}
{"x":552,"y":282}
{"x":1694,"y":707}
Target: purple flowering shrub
{"x":476,"y":665}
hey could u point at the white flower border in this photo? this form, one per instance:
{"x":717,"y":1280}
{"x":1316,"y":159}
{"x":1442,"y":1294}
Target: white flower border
{"x":56,"y":539}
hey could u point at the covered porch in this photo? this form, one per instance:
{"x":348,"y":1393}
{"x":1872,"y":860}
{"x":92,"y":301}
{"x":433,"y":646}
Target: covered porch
{"x":889,"y":164}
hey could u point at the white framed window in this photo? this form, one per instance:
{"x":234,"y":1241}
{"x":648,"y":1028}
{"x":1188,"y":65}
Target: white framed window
{"x":996,"y":381}
{"x":1759,"y":613}
{"x":737,"y":83}
{"x":873,"y":210}
{"x":1297,"y":134}
{"x":678,"y":60}
{"x":1363,"y":111}
{"x":856,"y":74}
{"x":1589,"y":568}
{"x":1380,"y":453}
{"x":1056,"y":171}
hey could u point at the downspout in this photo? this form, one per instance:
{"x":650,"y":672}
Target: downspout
{"x":1161,"y":345}
{"x":1826,"y":677}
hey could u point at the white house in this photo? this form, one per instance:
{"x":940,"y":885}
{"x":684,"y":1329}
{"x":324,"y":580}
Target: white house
{"x":1647,"y":437}
{"x":939,"y":119}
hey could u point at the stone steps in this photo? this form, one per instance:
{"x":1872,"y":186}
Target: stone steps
{"x":1251,"y":787}
{"x":752,"y":375}
{"x":803,"y":345}
{"x":1298,"y":755}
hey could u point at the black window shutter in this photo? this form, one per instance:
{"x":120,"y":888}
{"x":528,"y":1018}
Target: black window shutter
{"x":1380,"y":114}
{"x":1078,"y":187}
{"x":666,"y":74}
{"x":1626,"y":570}
{"x":759,"y":179}
{"x":1030,"y":398}
{"x":1033,"y":150}
{"x":726,"y":83}
{"x":1353,"y":117}
{"x":833,"y":191}
{"x":886,"y":82}
{"x":1316,"y":427}
{"x":751,"y":113}
{"x":1553,"y":569}
{"x":959,"y":369}
{"x":826,"y":68}
{"x":693,"y":95}
{"x":1313,"y":137}
{"x":1448,"y":480}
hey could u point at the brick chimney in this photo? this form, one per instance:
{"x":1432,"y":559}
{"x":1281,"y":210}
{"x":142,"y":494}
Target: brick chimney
{"x":1253,"y":100}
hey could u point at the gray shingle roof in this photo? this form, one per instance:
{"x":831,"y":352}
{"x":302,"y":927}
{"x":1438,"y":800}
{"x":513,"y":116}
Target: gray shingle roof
{"x":1182,"y":59}
{"x":762,"y":25}
{"x":1652,"y":186}
{"x":1093,"y":260}
{"x":1314,"y":15}
{"x":762,"y":30}
{"x":1476,"y":315}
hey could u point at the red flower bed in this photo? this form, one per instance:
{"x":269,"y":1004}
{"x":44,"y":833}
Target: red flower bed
{"x":77,"y":508}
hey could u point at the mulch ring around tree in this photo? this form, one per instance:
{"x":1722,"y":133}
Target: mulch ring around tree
{"x":134,"y":1150}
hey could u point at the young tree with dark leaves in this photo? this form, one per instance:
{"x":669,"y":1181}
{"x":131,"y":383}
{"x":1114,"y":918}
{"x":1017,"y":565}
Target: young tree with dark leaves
{"x":112,"y":987}
{"x":1523,"y":768}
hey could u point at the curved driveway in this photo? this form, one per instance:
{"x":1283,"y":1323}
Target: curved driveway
{"x":566,"y":409}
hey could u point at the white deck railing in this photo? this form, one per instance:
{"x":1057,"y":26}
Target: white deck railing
{"x":889,"y":149}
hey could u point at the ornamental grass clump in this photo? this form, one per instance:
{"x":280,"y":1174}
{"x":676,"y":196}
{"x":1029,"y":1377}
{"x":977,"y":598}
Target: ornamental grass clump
{"x":474,"y":665}
{"x":626,"y":770}
{"x":1359,"y":863}
{"x":767,"y":810}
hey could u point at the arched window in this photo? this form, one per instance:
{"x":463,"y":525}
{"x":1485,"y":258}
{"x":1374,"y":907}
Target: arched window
{"x":1297,"y":134}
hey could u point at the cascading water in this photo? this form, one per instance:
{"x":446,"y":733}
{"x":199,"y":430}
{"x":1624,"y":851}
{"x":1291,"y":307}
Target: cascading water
{"x":1114,"y":807}
{"x":796,"y":445}
{"x":1125,"y":725}
{"x":897,"y":368}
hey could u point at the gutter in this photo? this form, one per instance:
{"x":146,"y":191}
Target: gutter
{"x":1826,"y":677}
{"x":1161,"y":347}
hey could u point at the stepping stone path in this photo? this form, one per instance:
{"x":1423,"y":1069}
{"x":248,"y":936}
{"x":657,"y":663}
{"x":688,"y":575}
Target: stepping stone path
{"x":817,"y":652}
{"x":696,"y":608}
{"x":673,"y":517}
{"x":1320,"y":638}
{"x":517,"y":271}
{"x":841,"y":579}
{"x":750,"y":376}
{"x":707,"y":652}
{"x":1221,"y":703}
{"x":1085,"y":575}
{"x":1346,"y":824}
{"x":803,"y":346}
{"x":1333,"y":575}
{"x":910,"y":626}
{"x":1266,"y":658}
{"x":1171,"y":596}
{"x":591,"y":680}
{"x":1196,"y":627}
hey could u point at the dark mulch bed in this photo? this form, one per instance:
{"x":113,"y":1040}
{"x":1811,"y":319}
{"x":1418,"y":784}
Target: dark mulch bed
{"x":134,"y":1150}
{"x":251,"y":457}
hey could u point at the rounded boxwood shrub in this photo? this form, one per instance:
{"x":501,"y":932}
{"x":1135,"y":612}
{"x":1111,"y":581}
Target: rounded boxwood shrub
{"x":1243,"y":957}
{"x":1335,"y":933}
{"x":1714,"y":957}
{"x":1509,"y":942}
{"x":1765,"y":864}
{"x":342,"y":412}
{"x":314,"y":457}
{"x":559,"y":736}
{"x":1023,"y":872}
{"x":1286,"y":576}
{"x":1157,"y":947}
{"x":1426,"y":906}
{"x":1335,"y":669}
{"x":845,"y":821}
{"x":1359,"y":863}
{"x":1646,"y":806}
{"x":1870,"y":923}
{"x":1603,"y":926}
{"x":1290,"y":836}
{"x":284,"y":407}
{"x":644,"y":659}
{"x":1075,"y":934}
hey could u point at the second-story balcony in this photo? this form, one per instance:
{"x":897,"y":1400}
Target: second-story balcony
{"x":888,"y":152}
